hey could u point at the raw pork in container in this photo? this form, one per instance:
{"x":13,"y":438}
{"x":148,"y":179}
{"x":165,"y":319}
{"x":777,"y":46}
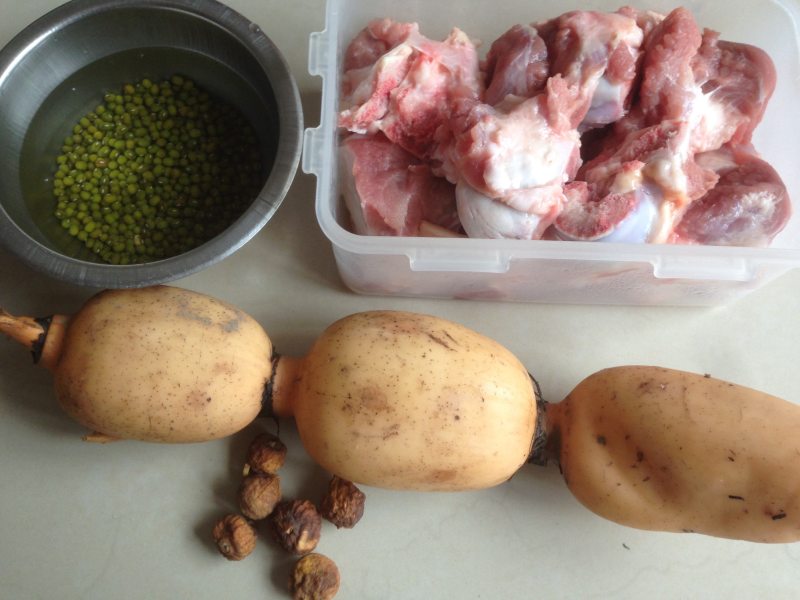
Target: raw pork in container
{"x":607,"y":155}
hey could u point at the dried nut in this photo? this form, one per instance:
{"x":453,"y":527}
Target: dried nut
{"x":258,"y":495}
{"x":234,"y":536}
{"x":266,"y":454}
{"x":343,"y":505}
{"x":314,"y":577}
{"x":296,"y":526}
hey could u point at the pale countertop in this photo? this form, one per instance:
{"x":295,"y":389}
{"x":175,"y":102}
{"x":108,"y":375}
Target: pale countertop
{"x":131,"y":520}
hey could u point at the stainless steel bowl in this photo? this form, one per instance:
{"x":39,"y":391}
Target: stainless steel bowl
{"x":59,"y":67}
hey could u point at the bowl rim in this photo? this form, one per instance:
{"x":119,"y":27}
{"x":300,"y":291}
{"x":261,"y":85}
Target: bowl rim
{"x":266,"y":203}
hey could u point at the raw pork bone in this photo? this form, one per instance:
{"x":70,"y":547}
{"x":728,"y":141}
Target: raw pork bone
{"x":509,"y":166}
{"x":501,"y":150}
{"x":510,"y":161}
{"x":600,"y":53}
{"x":646,"y":98}
{"x":749,"y":205}
{"x":407,"y":91}
{"x":516,"y":65}
{"x":697,"y":94}
{"x":737,"y":81}
{"x":376,"y":39}
{"x":390,"y":192}
{"x":522,"y":215}
{"x":639,"y":178}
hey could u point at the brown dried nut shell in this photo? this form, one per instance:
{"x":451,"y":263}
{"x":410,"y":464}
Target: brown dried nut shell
{"x":296,"y":526}
{"x":234,"y":536}
{"x":258,"y":495}
{"x":343,"y":505}
{"x":266,"y":454}
{"x":314,"y":577}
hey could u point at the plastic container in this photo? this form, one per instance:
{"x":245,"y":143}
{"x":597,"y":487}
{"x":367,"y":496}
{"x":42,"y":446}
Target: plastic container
{"x":556,"y":271}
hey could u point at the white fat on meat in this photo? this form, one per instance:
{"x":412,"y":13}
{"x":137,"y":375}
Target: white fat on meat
{"x":407,"y":93}
{"x":369,"y":90}
{"x":525,"y":216}
{"x":375,"y":40}
{"x":517,"y":150}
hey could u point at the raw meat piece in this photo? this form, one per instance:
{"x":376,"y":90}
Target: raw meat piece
{"x":624,"y":215}
{"x":749,"y":205}
{"x":651,"y":150}
{"x":519,"y":159}
{"x":389,"y":192}
{"x":734,"y":84}
{"x":407,"y":92}
{"x":636,"y":145}
{"x":668,"y":86}
{"x":653,"y":166}
{"x":510,"y":166}
{"x":524,"y":214}
{"x":697,"y":94}
{"x":516,"y":65}
{"x":661,"y":112}
{"x":599,"y":52}
{"x":375,"y":40}
{"x":367,"y":91}
{"x":645,"y":19}
{"x":532,"y":145}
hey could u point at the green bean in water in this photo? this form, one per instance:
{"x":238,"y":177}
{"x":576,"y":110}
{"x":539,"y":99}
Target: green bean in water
{"x":155,"y":170}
